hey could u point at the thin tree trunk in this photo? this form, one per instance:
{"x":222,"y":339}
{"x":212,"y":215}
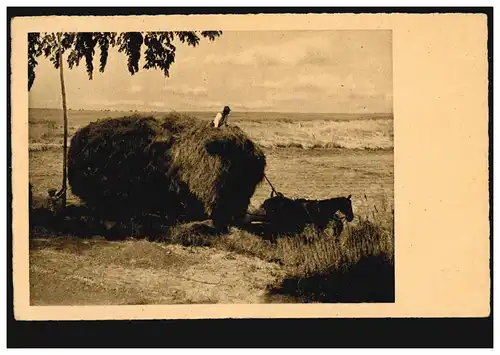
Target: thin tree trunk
{"x":65,"y":113}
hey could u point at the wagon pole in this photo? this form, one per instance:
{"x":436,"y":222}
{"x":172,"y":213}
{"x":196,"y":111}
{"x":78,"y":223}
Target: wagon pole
{"x":272,"y":187}
{"x":65,"y":116}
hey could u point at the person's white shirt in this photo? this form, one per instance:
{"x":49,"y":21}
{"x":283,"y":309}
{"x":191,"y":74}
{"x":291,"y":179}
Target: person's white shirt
{"x":218,"y":120}
{"x":221,"y":117}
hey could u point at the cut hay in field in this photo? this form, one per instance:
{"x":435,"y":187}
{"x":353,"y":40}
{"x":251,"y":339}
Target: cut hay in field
{"x":176,"y":167}
{"x":192,"y":234}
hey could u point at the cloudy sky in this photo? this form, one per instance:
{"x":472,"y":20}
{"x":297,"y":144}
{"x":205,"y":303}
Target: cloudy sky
{"x":292,"y":71}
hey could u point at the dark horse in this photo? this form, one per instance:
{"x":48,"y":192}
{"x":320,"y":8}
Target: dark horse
{"x":283,"y":215}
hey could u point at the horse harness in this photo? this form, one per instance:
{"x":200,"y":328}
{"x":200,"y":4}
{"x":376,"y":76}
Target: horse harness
{"x":304,"y":204}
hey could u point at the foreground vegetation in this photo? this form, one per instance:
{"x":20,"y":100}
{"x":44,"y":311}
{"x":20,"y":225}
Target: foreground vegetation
{"x":357,"y":266}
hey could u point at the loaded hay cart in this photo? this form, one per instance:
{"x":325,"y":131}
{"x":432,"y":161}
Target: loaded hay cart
{"x":174,"y":168}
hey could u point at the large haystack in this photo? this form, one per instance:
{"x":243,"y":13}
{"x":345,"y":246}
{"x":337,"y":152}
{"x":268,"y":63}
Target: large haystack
{"x":175,"y":167}
{"x":221,"y":166}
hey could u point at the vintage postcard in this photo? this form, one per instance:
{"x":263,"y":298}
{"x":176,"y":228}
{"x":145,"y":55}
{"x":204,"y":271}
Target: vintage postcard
{"x":250,"y":166}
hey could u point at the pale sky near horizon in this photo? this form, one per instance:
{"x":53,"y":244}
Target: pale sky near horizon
{"x":294,"y":71}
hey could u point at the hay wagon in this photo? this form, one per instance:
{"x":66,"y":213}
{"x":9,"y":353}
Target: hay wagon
{"x":174,"y":166}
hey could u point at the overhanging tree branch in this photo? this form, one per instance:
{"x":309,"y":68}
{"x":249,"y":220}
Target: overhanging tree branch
{"x":159,"y":52}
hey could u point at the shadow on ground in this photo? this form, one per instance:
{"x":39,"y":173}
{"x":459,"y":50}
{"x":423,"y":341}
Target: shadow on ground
{"x":81,"y":222}
{"x":75,"y":221}
{"x":369,"y":280}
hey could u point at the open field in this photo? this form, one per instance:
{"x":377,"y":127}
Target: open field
{"x":350,"y":156}
{"x":270,"y":130}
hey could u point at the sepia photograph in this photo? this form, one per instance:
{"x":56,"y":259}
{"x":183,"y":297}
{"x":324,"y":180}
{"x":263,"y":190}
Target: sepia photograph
{"x":221,"y":166}
{"x":198,"y":167}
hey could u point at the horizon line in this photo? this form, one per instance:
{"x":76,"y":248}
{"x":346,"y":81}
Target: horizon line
{"x":208,"y":110}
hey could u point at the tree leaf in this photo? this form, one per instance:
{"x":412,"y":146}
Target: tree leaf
{"x":160,"y":52}
{"x":130,"y":43}
{"x":211,"y":35}
{"x":34,"y":50}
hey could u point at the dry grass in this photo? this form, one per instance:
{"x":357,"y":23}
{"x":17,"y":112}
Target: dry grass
{"x":366,"y":131}
{"x":344,"y":268}
{"x":191,"y":234}
{"x":356,"y":267}
{"x":311,"y":252}
{"x":355,"y":134}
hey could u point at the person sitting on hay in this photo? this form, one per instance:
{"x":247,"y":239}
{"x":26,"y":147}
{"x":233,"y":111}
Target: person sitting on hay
{"x":221,"y":117}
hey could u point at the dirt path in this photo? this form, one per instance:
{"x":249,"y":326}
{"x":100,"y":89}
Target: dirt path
{"x":71,"y":271}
